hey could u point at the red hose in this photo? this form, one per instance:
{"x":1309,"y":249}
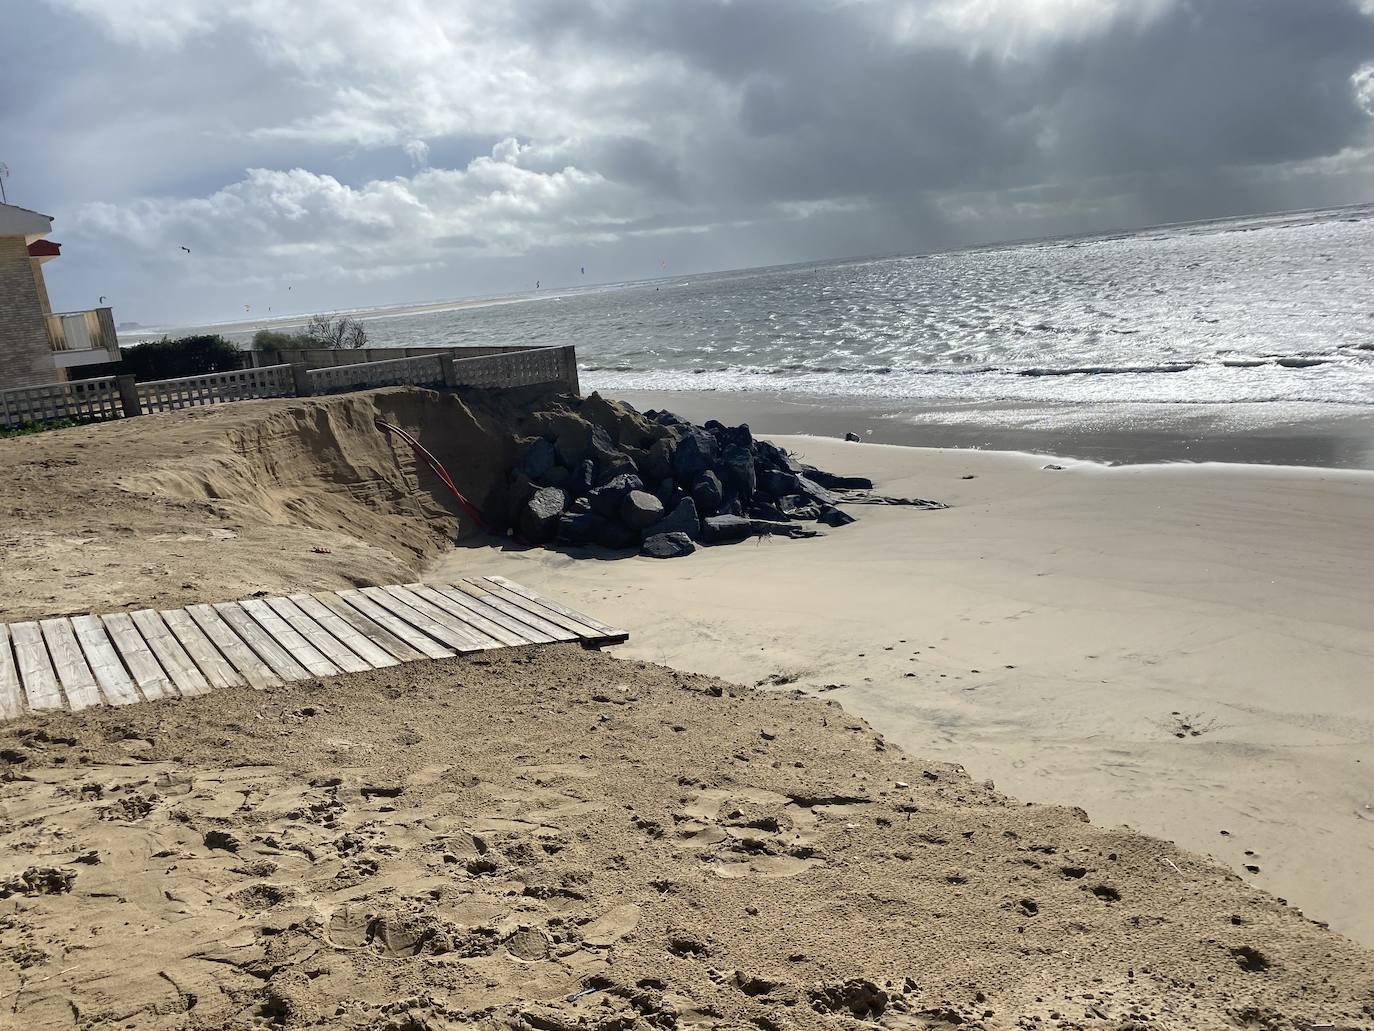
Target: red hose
{"x":438,"y":469}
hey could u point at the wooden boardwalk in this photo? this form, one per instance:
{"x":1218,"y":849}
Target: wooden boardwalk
{"x":124,"y":657}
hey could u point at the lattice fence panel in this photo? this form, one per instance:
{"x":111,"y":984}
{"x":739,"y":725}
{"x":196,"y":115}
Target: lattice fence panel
{"x":78,"y":399}
{"x":424,"y":371}
{"x":165,"y":395}
{"x":515,"y":369}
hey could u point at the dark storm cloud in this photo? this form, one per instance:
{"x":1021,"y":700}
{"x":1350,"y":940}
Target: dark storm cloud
{"x":763,"y":130}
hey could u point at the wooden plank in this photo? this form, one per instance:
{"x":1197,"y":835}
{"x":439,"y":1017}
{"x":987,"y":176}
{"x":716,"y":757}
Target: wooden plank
{"x":251,"y":668}
{"x":369,"y":628}
{"x":478,"y":605}
{"x":217,"y":670}
{"x":461,"y":643}
{"x":325,"y":642}
{"x":170,"y":654}
{"x":408,"y":597}
{"x":35,"y":671}
{"x":599,"y":630}
{"x":115,"y":683}
{"x":474,"y":619}
{"x":339,"y":627}
{"x":277,"y":657}
{"x":301,"y":650}
{"x":426,"y":645}
{"x":138,"y":657}
{"x":78,"y":683}
{"x":11,"y":694}
{"x":524,"y":615}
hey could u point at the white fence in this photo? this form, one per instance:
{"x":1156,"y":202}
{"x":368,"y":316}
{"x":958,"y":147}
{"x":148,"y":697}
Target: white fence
{"x":113,"y":397}
{"x":166,"y":395}
{"x":427,"y":371}
{"x":79,"y":399}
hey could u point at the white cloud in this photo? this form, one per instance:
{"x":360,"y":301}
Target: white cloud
{"x":417,"y":151}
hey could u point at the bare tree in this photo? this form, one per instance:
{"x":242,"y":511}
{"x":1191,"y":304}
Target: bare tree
{"x":341,"y":333}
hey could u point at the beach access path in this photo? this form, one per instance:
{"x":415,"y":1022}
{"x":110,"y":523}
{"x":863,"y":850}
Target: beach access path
{"x":1185,"y":649}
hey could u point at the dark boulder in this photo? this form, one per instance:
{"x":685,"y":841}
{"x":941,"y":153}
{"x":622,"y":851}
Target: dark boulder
{"x":682,"y":519}
{"x":738,"y":436}
{"x":722,"y":529}
{"x":582,"y":478}
{"x":667,"y":545}
{"x":770,"y":456}
{"x":579,"y":528}
{"x":579,"y":505}
{"x":695,"y":453}
{"x":814,"y":491}
{"x":616,"y":536}
{"x":639,"y":510}
{"x":538,"y":521}
{"x":778,"y":483}
{"x":852,"y":437}
{"x":831,"y":481}
{"x":557,"y":477}
{"x":737,"y":468}
{"x":605,"y":500}
{"x":659,"y":463}
{"x":538,"y":459}
{"x":707,"y":492}
{"x":764,"y":528}
{"x":767,"y":510}
{"x":832,"y":516}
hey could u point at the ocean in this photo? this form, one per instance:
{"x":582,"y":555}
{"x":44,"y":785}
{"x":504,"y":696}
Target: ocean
{"x":1276,"y":308}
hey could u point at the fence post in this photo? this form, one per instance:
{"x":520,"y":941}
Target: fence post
{"x":300,"y":379}
{"x":450,"y":370}
{"x":128,"y":396}
{"x":570,"y":369}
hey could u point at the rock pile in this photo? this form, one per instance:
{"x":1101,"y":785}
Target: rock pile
{"x":599,"y":472}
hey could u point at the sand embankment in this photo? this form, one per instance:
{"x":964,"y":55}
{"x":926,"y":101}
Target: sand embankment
{"x":558,"y":841}
{"x":220,"y":503}
{"x":1188,"y":650}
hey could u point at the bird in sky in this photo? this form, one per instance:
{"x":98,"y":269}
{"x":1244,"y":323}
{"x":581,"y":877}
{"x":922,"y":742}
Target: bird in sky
{"x":186,"y":249}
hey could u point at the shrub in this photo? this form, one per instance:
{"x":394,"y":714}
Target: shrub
{"x":187,"y":356}
{"x":341,"y":333}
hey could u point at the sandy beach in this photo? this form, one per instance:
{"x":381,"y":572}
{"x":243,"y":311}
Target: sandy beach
{"x":1184,"y":649}
{"x":775,"y":807}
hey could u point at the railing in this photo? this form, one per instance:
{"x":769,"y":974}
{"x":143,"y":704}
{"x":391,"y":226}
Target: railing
{"x":112,"y":397}
{"x":92,"y":330}
{"x":166,"y":395}
{"x":80,"y":399}
{"x":427,"y":371}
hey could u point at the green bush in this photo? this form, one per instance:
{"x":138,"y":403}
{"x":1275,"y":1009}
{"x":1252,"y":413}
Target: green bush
{"x":340,"y":333}
{"x":187,"y":356}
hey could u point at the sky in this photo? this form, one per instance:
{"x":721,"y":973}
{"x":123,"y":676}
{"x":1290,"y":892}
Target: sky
{"x":208,"y":159}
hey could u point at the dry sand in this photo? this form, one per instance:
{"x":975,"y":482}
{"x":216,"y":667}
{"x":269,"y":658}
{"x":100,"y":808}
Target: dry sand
{"x":1188,"y":650}
{"x":558,"y":840}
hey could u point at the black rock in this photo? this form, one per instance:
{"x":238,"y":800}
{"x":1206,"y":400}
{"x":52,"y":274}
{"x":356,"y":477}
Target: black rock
{"x":739,"y":436}
{"x":659,"y":463}
{"x":639,"y":510}
{"x":770,"y":456}
{"x":582,"y":478}
{"x":778,"y":483}
{"x":668,"y":545}
{"x":852,"y":437}
{"x":539,"y":458}
{"x":737,"y":466}
{"x":831,"y":516}
{"x":579,"y":505}
{"x":605,"y":500}
{"x":834,"y":482}
{"x":707,"y":492}
{"x":538,"y":522}
{"x":767,"y":510}
{"x":557,"y":477}
{"x":814,"y":491}
{"x":612,"y":534}
{"x":682,"y":519}
{"x":695,"y":453}
{"x":764,"y":528}
{"x":724,"y":528}
{"x":579,"y":528}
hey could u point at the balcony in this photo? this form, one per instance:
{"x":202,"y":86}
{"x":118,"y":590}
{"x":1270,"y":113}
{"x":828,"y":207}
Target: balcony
{"x":83,"y":337}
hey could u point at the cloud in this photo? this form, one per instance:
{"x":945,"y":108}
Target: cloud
{"x":424,"y":133}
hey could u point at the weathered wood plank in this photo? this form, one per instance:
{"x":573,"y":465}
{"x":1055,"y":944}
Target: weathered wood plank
{"x":426,"y":645}
{"x":216,"y":669}
{"x":475,"y":600}
{"x":520,"y":612}
{"x":245,"y":661}
{"x":78,"y":682}
{"x":325,"y":642}
{"x":170,"y":654}
{"x":409,"y":598}
{"x":35,"y":670}
{"x":277,"y":657}
{"x":461,"y":643}
{"x":596,"y":630}
{"x":11,"y":693}
{"x":349,"y":635}
{"x":369,"y":628}
{"x":115,"y":683}
{"x":301,"y":650}
{"x":142,"y":664}
{"x":475,"y":619}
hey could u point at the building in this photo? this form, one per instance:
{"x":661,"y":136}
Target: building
{"x":38,"y":345}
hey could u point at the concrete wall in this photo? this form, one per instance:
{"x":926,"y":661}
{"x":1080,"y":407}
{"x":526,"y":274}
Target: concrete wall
{"x":25,"y":354}
{"x":328,"y":357}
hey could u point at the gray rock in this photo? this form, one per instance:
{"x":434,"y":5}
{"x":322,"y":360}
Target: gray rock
{"x":695,"y":453}
{"x":659,"y":463}
{"x":539,"y":459}
{"x":778,"y":483}
{"x":764,"y":528}
{"x":724,"y":528}
{"x":831,"y":481}
{"x":682,"y":519}
{"x":582,"y":477}
{"x":835,"y":517}
{"x":668,"y":545}
{"x":538,"y":522}
{"x":814,"y":491}
{"x":639,"y":510}
{"x":766,"y":510}
{"x":707,"y":492}
{"x":605,"y":500}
